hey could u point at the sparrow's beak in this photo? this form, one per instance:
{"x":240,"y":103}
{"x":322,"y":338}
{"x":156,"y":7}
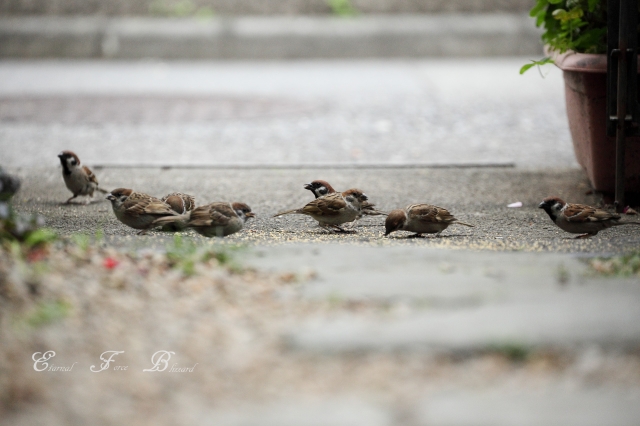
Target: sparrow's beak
{"x":308,"y":186}
{"x":542,"y":205}
{"x":110,"y":197}
{"x":250,"y":214}
{"x":364,"y":198}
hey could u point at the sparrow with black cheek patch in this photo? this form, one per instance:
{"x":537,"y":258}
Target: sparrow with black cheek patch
{"x":579,"y":218}
{"x":79,"y":179}
{"x":320,"y":188}
{"x":421,"y":219}
{"x":138,"y":210}
{"x":334,"y":209}
{"x":212,"y":220}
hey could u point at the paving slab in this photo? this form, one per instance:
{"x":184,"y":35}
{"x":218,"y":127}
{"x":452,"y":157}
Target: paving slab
{"x":564,"y":323}
{"x":285,"y":114}
{"x":459,"y":302}
{"x":338,"y":411}
{"x":252,"y":7}
{"x":548,"y":407}
{"x":279,"y":37}
{"x":437,"y":278}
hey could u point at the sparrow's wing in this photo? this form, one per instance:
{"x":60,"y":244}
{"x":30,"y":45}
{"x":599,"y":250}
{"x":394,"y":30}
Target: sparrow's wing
{"x":189,"y":202}
{"x":581,"y":213}
{"x":90,"y":175}
{"x":214,"y":214}
{"x":329,"y":205}
{"x":148,"y":205}
{"x":430,"y":214}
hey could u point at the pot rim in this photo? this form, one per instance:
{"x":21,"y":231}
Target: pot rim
{"x":582,"y":62}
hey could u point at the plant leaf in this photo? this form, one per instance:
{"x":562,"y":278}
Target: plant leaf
{"x":540,"y":62}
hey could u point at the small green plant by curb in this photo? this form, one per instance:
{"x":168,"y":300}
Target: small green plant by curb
{"x":627,"y":265}
{"x":342,"y":8}
{"x":577,"y":25}
{"x":515,"y":352}
{"x":185,"y":255}
{"x":179,"y":9}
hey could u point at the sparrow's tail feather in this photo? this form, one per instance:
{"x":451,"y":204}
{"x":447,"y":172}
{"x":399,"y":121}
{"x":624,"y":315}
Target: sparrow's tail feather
{"x":104,"y":191}
{"x":457,"y":222}
{"x":287,"y":212}
{"x":180,"y":220}
{"x":373,"y":212}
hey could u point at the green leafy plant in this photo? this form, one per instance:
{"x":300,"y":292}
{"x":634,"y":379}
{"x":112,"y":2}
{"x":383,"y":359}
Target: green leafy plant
{"x":577,"y":25}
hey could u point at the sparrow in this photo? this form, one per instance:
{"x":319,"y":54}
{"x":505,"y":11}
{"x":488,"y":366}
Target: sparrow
{"x":579,"y":218}
{"x":421,"y":219}
{"x":212,"y":220}
{"x":179,"y":202}
{"x":320,"y":188}
{"x":138,"y":210}
{"x":79,"y":179}
{"x":334,"y":209}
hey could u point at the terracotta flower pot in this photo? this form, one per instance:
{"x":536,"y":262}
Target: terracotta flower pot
{"x":585,"y":82}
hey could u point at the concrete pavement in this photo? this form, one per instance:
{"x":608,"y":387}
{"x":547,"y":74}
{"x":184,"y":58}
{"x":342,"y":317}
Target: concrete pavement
{"x":423,"y":313}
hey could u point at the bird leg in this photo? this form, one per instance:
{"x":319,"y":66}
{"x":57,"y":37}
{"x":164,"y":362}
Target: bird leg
{"x":143,"y":232}
{"x":69,"y":200}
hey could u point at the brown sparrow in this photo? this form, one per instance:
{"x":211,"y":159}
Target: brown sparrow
{"x":79,"y":179}
{"x":179,"y":202}
{"x":421,"y":219}
{"x":580,"y":219}
{"x":333,"y":209}
{"x":320,"y":188}
{"x":138,"y":210}
{"x":212,"y":220}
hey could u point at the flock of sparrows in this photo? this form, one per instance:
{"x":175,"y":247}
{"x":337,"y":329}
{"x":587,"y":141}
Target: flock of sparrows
{"x":177,"y":211}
